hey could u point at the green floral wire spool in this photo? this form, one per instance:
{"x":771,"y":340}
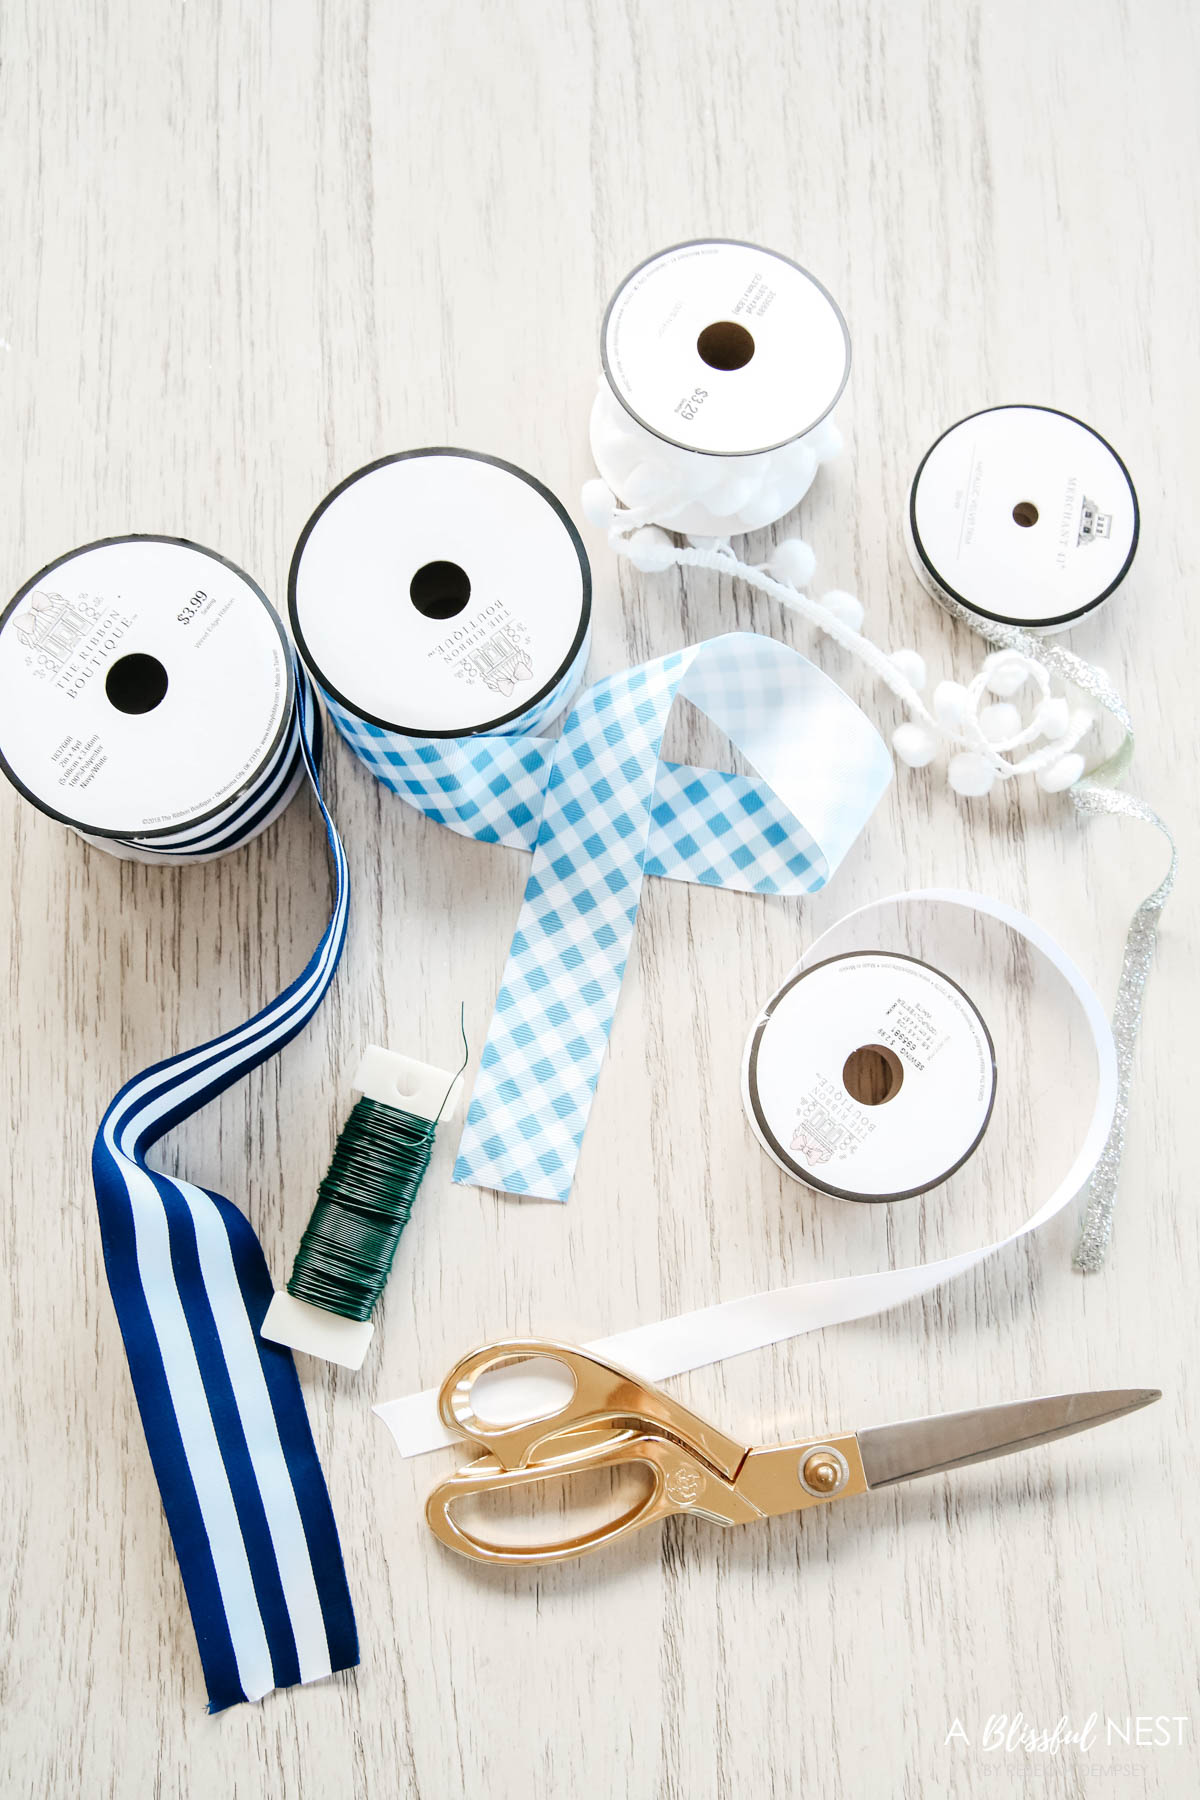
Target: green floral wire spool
{"x":363,"y":1205}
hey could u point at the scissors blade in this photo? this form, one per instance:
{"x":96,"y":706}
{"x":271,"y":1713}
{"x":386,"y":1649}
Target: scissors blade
{"x":915,"y":1447}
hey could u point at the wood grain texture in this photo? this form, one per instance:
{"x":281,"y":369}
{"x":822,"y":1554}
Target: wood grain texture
{"x":245,"y":249}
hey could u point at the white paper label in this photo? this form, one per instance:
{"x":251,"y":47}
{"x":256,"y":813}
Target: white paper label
{"x":653,"y":360}
{"x":521,"y":577}
{"x":206,"y":639}
{"x":796,"y":1089}
{"x":1024,"y":515}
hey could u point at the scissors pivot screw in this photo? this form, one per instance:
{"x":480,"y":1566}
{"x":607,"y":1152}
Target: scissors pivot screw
{"x":824,"y":1471}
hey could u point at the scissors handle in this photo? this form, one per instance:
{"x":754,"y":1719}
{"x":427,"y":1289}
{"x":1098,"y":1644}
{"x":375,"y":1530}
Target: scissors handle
{"x":681,"y":1482}
{"x":602,"y":1395}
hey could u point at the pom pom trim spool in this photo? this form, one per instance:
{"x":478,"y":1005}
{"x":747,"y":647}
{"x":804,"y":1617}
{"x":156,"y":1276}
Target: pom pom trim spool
{"x":381,"y":529}
{"x":889,"y":1132}
{"x":694,"y":438}
{"x":364,"y":1202}
{"x":199,"y":750}
{"x":649,"y":362}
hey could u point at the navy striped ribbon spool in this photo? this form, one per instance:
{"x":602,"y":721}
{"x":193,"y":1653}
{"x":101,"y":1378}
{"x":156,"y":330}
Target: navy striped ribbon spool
{"x":222,"y":1407}
{"x":245,"y":816}
{"x":223,"y":1411}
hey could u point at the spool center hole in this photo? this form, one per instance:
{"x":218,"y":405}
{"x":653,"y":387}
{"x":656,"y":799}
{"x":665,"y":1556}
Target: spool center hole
{"x":136,"y":683}
{"x":725,"y":345}
{"x":872,"y":1074}
{"x":439,"y":590}
{"x":1025,"y":513}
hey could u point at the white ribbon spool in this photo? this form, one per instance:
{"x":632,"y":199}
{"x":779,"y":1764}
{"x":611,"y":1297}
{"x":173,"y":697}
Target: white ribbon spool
{"x":147,"y":700}
{"x":721,"y":360}
{"x":870,"y":1076}
{"x":1058,"y":1069}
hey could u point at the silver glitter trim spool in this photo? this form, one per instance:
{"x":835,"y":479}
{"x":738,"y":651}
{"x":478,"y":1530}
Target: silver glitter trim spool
{"x":1094,"y":793}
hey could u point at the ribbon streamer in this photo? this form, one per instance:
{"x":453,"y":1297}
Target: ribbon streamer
{"x":673,"y":1346}
{"x":600,"y":809}
{"x":222,"y":1408}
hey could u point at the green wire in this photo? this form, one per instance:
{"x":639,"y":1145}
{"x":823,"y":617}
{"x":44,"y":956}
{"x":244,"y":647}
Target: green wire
{"x":362,"y":1207}
{"x":364,"y":1203}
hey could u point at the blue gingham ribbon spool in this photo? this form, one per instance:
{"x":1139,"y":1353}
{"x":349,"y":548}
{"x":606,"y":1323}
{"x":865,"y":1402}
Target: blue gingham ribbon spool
{"x":598,"y":807}
{"x":152,"y":702}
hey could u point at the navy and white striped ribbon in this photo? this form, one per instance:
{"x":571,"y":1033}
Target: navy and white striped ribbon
{"x":249,"y":812}
{"x":222,"y":1408}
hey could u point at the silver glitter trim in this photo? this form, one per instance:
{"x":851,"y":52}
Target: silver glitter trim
{"x":1096,"y":1234}
{"x":1096,"y":792}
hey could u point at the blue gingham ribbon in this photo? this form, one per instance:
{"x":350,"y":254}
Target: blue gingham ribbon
{"x":222,"y":1408}
{"x":600,"y":809}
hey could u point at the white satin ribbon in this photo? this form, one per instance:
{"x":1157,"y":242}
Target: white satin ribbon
{"x":673,"y":1346}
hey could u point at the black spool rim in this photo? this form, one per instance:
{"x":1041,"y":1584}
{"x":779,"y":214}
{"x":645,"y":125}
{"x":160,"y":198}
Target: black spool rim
{"x":783,"y":1156}
{"x":137,"y":832}
{"x":972,"y":606}
{"x":516,"y":712}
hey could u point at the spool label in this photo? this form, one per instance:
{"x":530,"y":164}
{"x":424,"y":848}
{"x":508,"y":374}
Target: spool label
{"x":1024,"y":515}
{"x":492,"y":651}
{"x":870,"y":1076}
{"x":144,"y":684}
{"x":725,"y":348}
{"x":439,"y":593}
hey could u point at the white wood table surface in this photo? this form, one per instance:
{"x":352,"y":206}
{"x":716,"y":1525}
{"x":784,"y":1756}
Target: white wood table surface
{"x":245,"y":249}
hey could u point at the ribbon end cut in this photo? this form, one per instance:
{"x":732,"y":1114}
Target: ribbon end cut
{"x":415,"y":1423}
{"x":220,"y":1705}
{"x":497,"y":1182}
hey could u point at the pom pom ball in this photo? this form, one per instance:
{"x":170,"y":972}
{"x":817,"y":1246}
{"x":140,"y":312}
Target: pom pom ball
{"x":914,"y":744}
{"x":1061,"y":774}
{"x":1054,"y":718}
{"x":847,"y":609}
{"x":650,"y":550}
{"x":599,"y":506}
{"x":950,"y":704}
{"x":1007,"y":674}
{"x":971,"y":775}
{"x":793,"y":561}
{"x":911,"y":665}
{"x":824,"y":440}
{"x":999,"y":722}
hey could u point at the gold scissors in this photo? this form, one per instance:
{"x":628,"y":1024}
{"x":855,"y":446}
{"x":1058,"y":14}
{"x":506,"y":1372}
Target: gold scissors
{"x":611,"y":1419}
